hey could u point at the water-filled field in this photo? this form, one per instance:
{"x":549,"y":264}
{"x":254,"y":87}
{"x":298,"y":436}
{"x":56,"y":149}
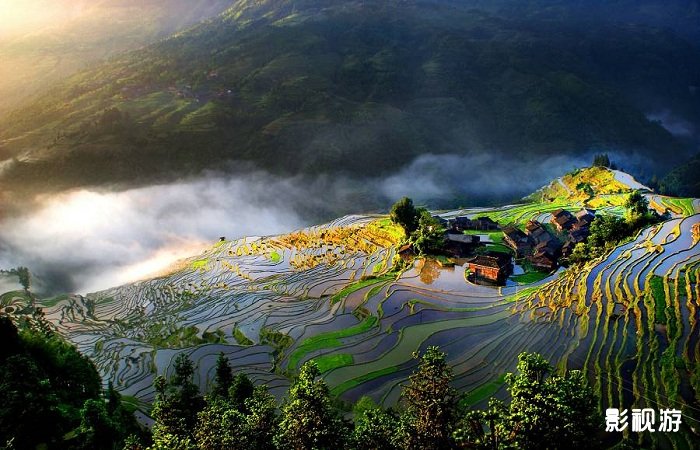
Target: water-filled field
{"x":331,"y":293}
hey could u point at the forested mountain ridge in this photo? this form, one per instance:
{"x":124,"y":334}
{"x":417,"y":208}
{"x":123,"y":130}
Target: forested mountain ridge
{"x":360,"y":88}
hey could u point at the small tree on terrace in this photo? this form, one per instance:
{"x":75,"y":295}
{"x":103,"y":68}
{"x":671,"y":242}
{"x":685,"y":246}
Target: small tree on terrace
{"x":24,"y":277}
{"x":637,"y":208}
{"x":430,"y":235}
{"x":601,"y":160}
{"x":403,"y":213}
{"x":177,"y":404}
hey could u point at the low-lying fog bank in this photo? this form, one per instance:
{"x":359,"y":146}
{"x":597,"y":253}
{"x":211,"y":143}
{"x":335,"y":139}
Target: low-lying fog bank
{"x":87,"y":240}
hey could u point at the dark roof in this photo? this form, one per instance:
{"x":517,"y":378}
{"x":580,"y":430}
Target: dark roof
{"x":561,"y":212}
{"x":514,"y":233}
{"x":562,"y":220}
{"x":405,"y":248}
{"x":463,"y":238}
{"x":493,"y":261}
{"x":585,"y":212}
{"x":549,"y":247}
{"x":543,"y":260}
{"x":487,"y":219}
{"x":532,"y":225}
{"x":579,"y":235}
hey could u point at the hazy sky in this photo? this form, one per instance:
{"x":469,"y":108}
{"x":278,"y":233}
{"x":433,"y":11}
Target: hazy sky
{"x":25,"y":15}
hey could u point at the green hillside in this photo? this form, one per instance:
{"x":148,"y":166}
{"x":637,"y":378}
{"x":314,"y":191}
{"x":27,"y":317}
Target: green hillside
{"x":355,"y":87}
{"x":37,"y":57}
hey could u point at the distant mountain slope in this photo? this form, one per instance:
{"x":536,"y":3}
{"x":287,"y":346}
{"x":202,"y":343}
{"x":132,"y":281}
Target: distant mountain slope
{"x":77,"y":33}
{"x":683,"y":180}
{"x":359,"y":88}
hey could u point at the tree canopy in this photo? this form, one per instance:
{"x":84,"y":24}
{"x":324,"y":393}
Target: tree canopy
{"x":403,"y":213}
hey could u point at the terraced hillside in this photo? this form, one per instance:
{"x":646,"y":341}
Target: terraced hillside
{"x":335,"y":293}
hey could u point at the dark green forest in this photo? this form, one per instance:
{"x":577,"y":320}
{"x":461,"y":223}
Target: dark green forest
{"x":52,"y":396}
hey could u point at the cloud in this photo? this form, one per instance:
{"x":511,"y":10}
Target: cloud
{"x":84,"y":240}
{"x":674,"y":124}
{"x":88,"y":240}
{"x":485,"y":177}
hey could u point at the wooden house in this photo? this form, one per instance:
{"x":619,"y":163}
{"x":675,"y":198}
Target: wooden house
{"x":562,"y":219}
{"x":586,"y":215}
{"x":517,"y":240}
{"x":441,"y":220}
{"x":543,"y":261}
{"x":484,"y":224}
{"x":537,"y":232}
{"x":460,"y":223}
{"x":406,"y":252}
{"x":460,"y":245}
{"x":493,"y":267}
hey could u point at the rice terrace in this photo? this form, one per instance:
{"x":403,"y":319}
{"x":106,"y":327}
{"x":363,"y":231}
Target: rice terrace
{"x":341,"y":294}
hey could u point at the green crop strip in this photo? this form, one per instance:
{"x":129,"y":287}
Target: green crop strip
{"x":484,"y":391}
{"x":200,"y":264}
{"x":275,"y":257}
{"x":656,"y":284}
{"x":349,"y":289}
{"x":329,"y":340}
{"x":241,"y":338}
{"x":529,"y":277}
{"x":330,"y":362}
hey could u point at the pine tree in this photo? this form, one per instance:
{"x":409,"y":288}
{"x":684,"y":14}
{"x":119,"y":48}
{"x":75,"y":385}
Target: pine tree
{"x":308,"y":419}
{"x":241,"y":389}
{"x":430,"y":403}
{"x":224,"y":377}
{"x":262,"y":420}
{"x":177,"y":404}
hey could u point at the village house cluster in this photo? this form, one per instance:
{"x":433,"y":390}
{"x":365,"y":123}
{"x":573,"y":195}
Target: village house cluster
{"x":543,"y":248}
{"x":540,"y":245}
{"x":458,"y":244}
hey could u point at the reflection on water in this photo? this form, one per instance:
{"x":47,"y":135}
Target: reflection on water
{"x":429,"y":270}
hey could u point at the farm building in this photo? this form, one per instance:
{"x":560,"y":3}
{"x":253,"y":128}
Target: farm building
{"x":537,"y":232}
{"x":461,"y":223}
{"x":406,"y":252}
{"x":567,"y":248}
{"x":442,"y":220}
{"x":562,"y":219}
{"x":493,"y":267}
{"x":517,"y":240}
{"x":460,"y":245}
{"x":543,"y":261}
{"x":545,"y":255}
{"x":484,"y":223}
{"x":585,"y":215}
